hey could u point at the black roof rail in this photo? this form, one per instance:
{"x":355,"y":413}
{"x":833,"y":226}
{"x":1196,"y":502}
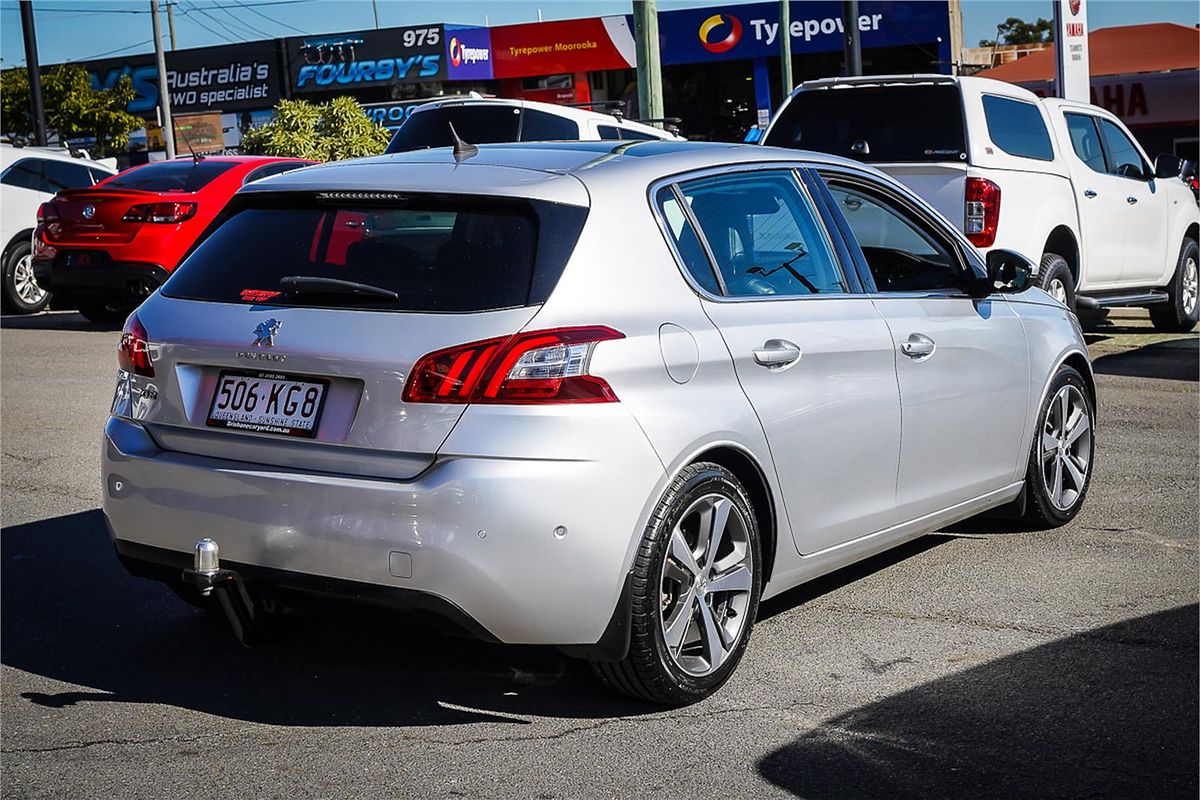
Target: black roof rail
{"x":670,"y":124}
{"x":618,"y":106}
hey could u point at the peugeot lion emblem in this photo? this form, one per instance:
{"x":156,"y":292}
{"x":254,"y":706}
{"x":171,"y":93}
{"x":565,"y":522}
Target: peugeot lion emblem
{"x":89,"y":211}
{"x":264,"y":332}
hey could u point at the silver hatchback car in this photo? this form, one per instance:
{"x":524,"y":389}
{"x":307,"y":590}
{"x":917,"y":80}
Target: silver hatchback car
{"x":600,"y":396}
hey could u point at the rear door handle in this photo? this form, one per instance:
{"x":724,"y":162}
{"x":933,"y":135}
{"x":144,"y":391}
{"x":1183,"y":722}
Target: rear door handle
{"x":777,"y":354}
{"x":918,"y":346}
{"x":1131,"y":200}
{"x":1089,"y":193}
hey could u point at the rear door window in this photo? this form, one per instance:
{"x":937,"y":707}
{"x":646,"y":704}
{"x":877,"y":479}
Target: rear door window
{"x":538,"y":126}
{"x":1017,"y":127}
{"x":436,"y":253}
{"x":687,"y":243}
{"x":896,"y":123}
{"x":764,"y":235}
{"x":184,"y":175}
{"x":65,"y":175}
{"x":1085,"y":141}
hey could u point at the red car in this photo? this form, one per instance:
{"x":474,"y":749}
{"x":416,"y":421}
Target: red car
{"x":109,"y":246}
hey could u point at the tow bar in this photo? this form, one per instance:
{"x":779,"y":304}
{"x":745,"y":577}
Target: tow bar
{"x":209,"y":578}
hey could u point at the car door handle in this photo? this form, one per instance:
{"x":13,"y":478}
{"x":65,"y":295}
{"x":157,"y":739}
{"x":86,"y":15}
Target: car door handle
{"x":918,"y":345}
{"x":1131,"y":200}
{"x":1089,"y":193}
{"x":777,"y":354}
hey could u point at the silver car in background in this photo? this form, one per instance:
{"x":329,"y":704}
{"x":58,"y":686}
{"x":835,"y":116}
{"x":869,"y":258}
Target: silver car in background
{"x":606,"y":397}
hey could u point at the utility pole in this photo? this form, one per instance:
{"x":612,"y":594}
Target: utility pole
{"x":649,"y":65}
{"x":375,"y":11}
{"x":171,"y":21}
{"x":853,"y":41}
{"x":164,"y":90}
{"x":785,"y":47}
{"x":35,"y":74}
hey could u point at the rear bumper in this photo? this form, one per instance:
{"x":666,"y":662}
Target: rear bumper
{"x":479,"y":540}
{"x":103,"y":276}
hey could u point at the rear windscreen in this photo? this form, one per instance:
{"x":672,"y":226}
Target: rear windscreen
{"x":171,"y":176}
{"x":892,"y":123}
{"x":435,"y":253}
{"x":474,"y":124}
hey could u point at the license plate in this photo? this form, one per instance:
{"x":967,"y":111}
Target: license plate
{"x":267,"y":402}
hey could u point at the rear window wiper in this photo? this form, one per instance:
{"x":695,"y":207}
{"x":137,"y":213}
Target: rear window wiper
{"x":312,"y":284}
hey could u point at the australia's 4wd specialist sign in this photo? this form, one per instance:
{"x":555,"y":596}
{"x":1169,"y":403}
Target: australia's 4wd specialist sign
{"x":366,"y":58}
{"x":242,"y":77}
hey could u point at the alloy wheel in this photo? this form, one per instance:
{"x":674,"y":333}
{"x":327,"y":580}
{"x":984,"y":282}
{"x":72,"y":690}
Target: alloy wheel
{"x":1058,"y":290}
{"x":25,"y":283}
{"x":1065,"y":448}
{"x":705,"y":584}
{"x":1189,"y":286}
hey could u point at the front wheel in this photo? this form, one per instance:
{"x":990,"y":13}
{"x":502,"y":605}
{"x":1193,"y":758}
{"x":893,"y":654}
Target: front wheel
{"x":21,"y":293}
{"x":1182,"y":310}
{"x":696,"y":584}
{"x":1060,"y":462}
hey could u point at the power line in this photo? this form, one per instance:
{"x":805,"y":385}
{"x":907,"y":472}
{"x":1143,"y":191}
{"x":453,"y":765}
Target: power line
{"x":213,"y":18}
{"x":254,"y":10}
{"x":88,"y":11}
{"x":246,"y":25}
{"x":114,"y":52}
{"x":217,"y":34}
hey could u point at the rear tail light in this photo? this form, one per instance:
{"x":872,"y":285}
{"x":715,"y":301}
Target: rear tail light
{"x":133,"y":353}
{"x":160,"y":212}
{"x":983,"y":211}
{"x":548,"y":366}
{"x":47,"y":212}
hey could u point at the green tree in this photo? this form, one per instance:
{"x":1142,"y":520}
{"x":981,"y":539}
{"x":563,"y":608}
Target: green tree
{"x":1015,"y":30}
{"x":330,"y":131}
{"x":73,"y":107}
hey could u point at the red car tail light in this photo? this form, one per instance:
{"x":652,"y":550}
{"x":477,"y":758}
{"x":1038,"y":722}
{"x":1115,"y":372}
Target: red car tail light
{"x":160,"y":212}
{"x":133,"y":353}
{"x":548,"y":366}
{"x":47,"y":212}
{"x":983,"y":211}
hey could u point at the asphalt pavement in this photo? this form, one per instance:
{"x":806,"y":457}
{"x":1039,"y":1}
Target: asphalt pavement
{"x":985,"y":661}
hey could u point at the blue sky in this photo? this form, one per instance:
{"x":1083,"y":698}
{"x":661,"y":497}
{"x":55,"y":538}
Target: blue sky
{"x":82,"y":29}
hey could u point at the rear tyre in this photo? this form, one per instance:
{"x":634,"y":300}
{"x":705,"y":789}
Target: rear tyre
{"x":104,"y":311}
{"x":1181,"y":312}
{"x":696,"y":584}
{"x":1054,"y":276}
{"x":20,"y":291}
{"x":1060,"y":461}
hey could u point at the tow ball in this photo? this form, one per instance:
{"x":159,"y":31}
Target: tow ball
{"x":229,"y":588}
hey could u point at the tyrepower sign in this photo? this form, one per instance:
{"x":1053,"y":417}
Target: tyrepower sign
{"x":560,"y":47}
{"x":242,"y":77}
{"x":366,"y":58}
{"x":468,"y":53}
{"x":752,"y":30}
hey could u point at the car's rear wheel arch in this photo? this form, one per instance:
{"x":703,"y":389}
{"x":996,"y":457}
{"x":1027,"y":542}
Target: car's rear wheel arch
{"x":1062,"y":242}
{"x":747,"y":470}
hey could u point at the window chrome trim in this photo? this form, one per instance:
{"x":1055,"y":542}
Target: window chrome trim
{"x":792,"y":167}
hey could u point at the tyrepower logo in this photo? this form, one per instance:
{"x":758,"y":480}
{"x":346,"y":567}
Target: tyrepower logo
{"x":720,"y":33}
{"x":460,"y":54}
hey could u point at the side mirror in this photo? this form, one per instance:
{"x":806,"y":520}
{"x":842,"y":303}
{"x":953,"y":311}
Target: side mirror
{"x":1168,"y":166}
{"x":1008,"y":272}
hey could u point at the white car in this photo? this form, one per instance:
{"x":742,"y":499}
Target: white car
{"x":30,"y":177}
{"x":491,"y":120}
{"x":1064,"y":183}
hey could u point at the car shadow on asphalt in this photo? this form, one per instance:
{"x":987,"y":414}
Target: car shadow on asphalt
{"x":1110,"y":712}
{"x":72,"y":614}
{"x":55,"y":321}
{"x":1175,"y":360}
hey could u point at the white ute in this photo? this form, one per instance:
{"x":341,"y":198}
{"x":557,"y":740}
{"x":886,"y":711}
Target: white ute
{"x":1061,"y":182}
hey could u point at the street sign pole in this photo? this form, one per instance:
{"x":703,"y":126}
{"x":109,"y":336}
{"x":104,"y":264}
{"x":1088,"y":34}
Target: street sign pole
{"x":164,"y":90}
{"x":853,"y":41}
{"x":649,"y":65}
{"x":35,"y":74}
{"x":785,"y":47}
{"x":1072,"y":77}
